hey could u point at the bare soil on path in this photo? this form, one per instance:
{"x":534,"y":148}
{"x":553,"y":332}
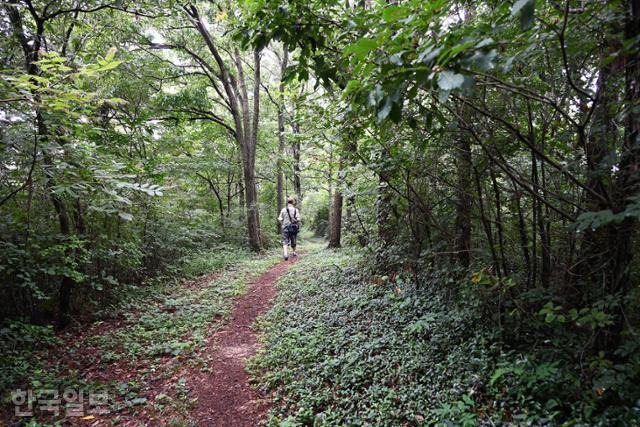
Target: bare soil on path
{"x":224,"y":396}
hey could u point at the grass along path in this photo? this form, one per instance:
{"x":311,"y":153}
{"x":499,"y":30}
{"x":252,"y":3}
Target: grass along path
{"x":344,"y":346}
{"x":142,"y":356}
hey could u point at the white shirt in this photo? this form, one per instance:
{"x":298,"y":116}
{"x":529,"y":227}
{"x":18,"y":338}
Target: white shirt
{"x":284,"y":217}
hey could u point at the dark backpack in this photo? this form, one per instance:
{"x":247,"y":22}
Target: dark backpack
{"x":292,"y":227}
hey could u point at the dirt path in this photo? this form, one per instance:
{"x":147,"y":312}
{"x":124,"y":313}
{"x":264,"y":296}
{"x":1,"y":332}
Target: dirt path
{"x":224,"y":395}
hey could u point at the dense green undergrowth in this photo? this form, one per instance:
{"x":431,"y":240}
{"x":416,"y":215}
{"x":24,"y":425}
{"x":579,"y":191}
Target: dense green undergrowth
{"x":347,"y":347}
{"x":151,"y":334}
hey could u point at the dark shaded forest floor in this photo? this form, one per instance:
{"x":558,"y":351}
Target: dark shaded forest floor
{"x":324,"y":340}
{"x":173,"y":358}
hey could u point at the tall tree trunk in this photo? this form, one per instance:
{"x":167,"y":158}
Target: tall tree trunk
{"x":297,"y":185}
{"x":241,"y":199}
{"x":486,"y":224}
{"x":335,"y":213}
{"x":522,"y":231}
{"x":335,"y":225}
{"x":248,"y":140}
{"x":251,"y":195}
{"x":627,"y":182}
{"x":330,"y":188}
{"x":64,"y":222}
{"x":499,"y":223}
{"x":245,"y":119}
{"x":607,"y":251}
{"x":464,"y":201}
{"x":384,"y":214}
{"x":596,"y":247}
{"x":254,"y":139}
{"x":31,"y":49}
{"x":351,"y":216}
{"x":281,"y":139}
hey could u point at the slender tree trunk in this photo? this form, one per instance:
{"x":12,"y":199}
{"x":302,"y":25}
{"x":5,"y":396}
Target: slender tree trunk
{"x":499,"y":223}
{"x":241,"y":199}
{"x":628,"y":182}
{"x":245,"y":119}
{"x":335,"y":214}
{"x":251,"y":194}
{"x":221,"y":210}
{"x":281,"y":139}
{"x":335,"y":226}
{"x":596,"y":248}
{"x":538,"y":228}
{"x":229,"y":194}
{"x":351,"y":215}
{"x":297,"y":185}
{"x":522,"y":231}
{"x":384,"y":215}
{"x":330,"y":189}
{"x":464,"y":201}
{"x":610,"y":247}
{"x":31,"y":49}
{"x":64,"y":222}
{"x":248,"y":140}
{"x":486,"y":224}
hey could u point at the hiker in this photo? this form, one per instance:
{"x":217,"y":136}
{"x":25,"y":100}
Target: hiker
{"x":290,"y":220}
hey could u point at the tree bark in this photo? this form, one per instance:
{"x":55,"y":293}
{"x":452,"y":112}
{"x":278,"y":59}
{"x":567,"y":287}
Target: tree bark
{"x":297,"y":185}
{"x":249,"y":158}
{"x":335,"y":213}
{"x":607,"y":251}
{"x":464,"y":201}
{"x":281,"y":139}
{"x":486,"y":224}
{"x":31,"y":49}
{"x":499,"y":223}
{"x":384,"y":214}
{"x":245,"y":118}
{"x":251,"y":199}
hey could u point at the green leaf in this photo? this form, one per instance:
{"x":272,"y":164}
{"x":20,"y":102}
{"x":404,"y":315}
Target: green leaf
{"x":361,"y":48}
{"x":394,"y":13}
{"x":352,"y":86}
{"x":448,"y":80}
{"x":104,"y":66}
{"x":500,"y":372}
{"x":111,"y":53}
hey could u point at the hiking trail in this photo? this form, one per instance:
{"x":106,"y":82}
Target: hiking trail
{"x":224,"y":396}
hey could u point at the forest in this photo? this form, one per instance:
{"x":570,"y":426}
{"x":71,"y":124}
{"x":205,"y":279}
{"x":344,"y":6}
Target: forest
{"x":467,"y":174}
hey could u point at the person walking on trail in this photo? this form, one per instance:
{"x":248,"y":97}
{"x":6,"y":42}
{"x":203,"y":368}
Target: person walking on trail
{"x":290,"y":219}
